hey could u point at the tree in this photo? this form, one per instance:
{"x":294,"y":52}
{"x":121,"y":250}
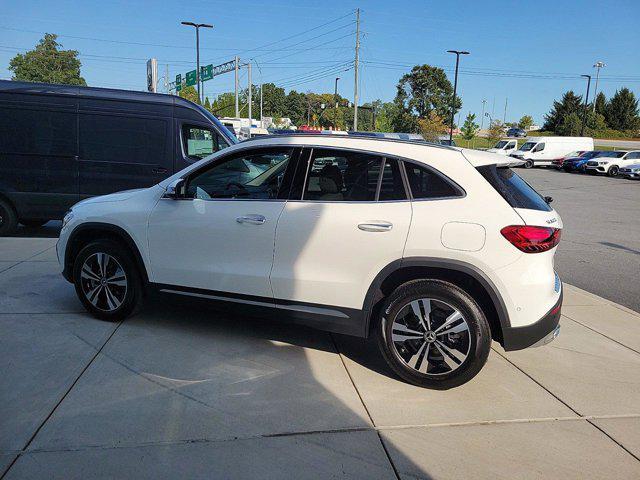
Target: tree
{"x":48,"y":63}
{"x":274,"y":101}
{"x":296,"y":107}
{"x":384,"y":117}
{"x":207,"y":103}
{"x":570,"y":103}
{"x":622,"y":111}
{"x":495,"y":132}
{"x":470,"y":127}
{"x":525,"y":122}
{"x":432,"y":127}
{"x":190,"y":93}
{"x":426,"y":89}
{"x":570,"y":125}
{"x":601,"y":103}
{"x":224,"y":105}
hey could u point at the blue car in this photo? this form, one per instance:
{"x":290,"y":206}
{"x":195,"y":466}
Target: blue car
{"x":579,"y":162}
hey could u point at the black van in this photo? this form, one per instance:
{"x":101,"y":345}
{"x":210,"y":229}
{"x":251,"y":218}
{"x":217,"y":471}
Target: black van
{"x":60,"y":144}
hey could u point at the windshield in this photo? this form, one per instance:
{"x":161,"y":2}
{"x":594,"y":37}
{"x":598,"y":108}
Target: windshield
{"x":501,"y":144}
{"x":528,"y":146}
{"x":611,"y":154}
{"x":591,"y":154}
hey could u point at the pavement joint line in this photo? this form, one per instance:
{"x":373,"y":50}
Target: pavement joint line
{"x":26,"y":447}
{"x":569,"y":406}
{"x":600,"y":333}
{"x":600,"y":299}
{"x":587,"y":418}
{"x":19,"y":262}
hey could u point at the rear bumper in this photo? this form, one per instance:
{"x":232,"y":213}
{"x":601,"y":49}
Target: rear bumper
{"x":539,"y":333}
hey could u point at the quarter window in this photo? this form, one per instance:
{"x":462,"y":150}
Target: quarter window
{"x":253,"y":175}
{"x":426,"y":184}
{"x":201,"y":142}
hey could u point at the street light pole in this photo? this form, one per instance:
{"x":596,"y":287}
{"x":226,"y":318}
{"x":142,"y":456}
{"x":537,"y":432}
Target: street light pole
{"x":586,"y":102}
{"x":455,"y":89}
{"x":597,"y":66}
{"x":484,"y":102}
{"x":197,"y":26}
{"x":335,"y":98}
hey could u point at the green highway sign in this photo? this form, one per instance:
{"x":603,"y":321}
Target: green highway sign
{"x":206,"y":72}
{"x":191,"y":78}
{"x":178,"y":82}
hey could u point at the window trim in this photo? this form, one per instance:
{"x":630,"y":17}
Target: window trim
{"x":462,"y":193}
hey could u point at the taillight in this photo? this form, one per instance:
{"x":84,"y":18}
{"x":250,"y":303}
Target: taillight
{"x":531,"y":239}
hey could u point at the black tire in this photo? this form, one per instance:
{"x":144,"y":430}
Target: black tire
{"x":443,"y":298}
{"x":613,"y":171}
{"x":32,"y":223}
{"x":8,"y":218}
{"x":528,"y":164}
{"x":127,"y":298}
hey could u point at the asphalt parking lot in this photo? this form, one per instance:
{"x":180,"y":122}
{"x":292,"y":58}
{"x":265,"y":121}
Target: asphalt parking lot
{"x":179,"y":391}
{"x":600,"y":247}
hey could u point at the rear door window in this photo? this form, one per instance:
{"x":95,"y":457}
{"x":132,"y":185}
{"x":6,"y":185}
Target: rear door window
{"x":517,"y":192}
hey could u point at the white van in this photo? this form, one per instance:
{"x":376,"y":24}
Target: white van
{"x":544,"y":150}
{"x":504,"y":147}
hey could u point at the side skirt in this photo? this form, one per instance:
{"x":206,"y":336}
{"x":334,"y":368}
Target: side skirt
{"x":329,"y":318}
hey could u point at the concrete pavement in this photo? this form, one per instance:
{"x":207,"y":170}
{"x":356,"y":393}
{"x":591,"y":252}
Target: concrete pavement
{"x":179,"y":391}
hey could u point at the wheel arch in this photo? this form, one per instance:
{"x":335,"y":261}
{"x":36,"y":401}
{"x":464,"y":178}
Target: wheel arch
{"x":462,"y":274}
{"x":87,"y":232}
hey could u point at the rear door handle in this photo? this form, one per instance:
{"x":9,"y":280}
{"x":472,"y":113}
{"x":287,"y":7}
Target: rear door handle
{"x":375,"y":226}
{"x":159,"y":170}
{"x":252,"y":219}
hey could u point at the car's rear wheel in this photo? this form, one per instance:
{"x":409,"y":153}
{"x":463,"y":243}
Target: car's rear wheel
{"x":613,"y":171}
{"x":8,"y":218}
{"x":528,"y":164}
{"x":107,"y":280}
{"x":433,"y":334}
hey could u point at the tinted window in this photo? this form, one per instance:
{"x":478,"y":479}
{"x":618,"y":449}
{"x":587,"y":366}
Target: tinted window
{"x":201,"y":142}
{"x":633,"y":156}
{"x":425,"y":183}
{"x":110,"y":138}
{"x":517,"y":192}
{"x":391,"y":186}
{"x":39,"y":132}
{"x":337,"y":175}
{"x":254,"y":174}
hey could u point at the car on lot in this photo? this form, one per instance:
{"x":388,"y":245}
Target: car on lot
{"x":611,"y":162}
{"x":61,"y":143}
{"x":544,"y":150}
{"x":516,"y":132}
{"x":504,"y":147}
{"x":559,"y":161}
{"x":434,"y":250}
{"x":577,"y":163}
{"x":631,"y":172}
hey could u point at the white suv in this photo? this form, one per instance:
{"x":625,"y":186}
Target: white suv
{"x":432,"y":249}
{"x":611,"y":162}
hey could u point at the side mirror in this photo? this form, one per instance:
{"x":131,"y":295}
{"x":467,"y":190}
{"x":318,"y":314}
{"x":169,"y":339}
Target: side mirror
{"x":176,"y":189}
{"x":548,"y":200}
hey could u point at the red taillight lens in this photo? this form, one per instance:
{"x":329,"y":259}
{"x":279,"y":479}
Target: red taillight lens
{"x":532,"y":239}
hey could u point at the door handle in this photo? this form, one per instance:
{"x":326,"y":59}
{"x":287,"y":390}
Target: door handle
{"x":252,"y":219}
{"x":376,"y":226}
{"x":159,"y":170}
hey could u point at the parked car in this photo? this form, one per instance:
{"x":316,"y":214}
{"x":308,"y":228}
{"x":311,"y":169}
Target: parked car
{"x":433,"y":250}
{"x":559,"y":161}
{"x":60,"y":144}
{"x":630,"y":172}
{"x":544,"y":150}
{"x":578,"y":163}
{"x":504,"y":147}
{"x":516,"y":132}
{"x":611,"y":162}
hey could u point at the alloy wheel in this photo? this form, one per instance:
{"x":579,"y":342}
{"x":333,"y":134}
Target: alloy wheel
{"x":431,"y":337}
{"x":104,"y":282}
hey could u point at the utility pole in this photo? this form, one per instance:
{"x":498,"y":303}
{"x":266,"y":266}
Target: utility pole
{"x":586,"y":102}
{"x":261,"y":125}
{"x":250,"y":99}
{"x":504,"y":118}
{"x":598,"y":65}
{"x":357,"y":59}
{"x":455,"y":88}
{"x":197,"y":26}
{"x":237,"y":104}
{"x":484,"y":102}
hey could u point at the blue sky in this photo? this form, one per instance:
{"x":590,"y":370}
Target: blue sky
{"x":528,"y":55}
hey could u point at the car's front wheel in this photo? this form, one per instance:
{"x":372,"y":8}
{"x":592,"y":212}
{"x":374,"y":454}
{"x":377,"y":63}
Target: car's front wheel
{"x":613,"y":171}
{"x":107,"y":280}
{"x":528,"y":164}
{"x":433,"y":334}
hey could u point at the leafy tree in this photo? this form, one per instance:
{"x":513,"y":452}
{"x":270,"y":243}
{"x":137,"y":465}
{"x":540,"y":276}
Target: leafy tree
{"x":274,"y":101}
{"x":432,"y":127}
{"x":622,"y":111}
{"x":426,"y":89}
{"x":495,"y":132}
{"x":48,"y":63}
{"x":570,"y":125}
{"x":570,"y":103}
{"x":190,"y":93}
{"x":595,"y":122}
{"x":224,"y":105}
{"x":207,"y":103}
{"x":385,"y":115}
{"x":525,"y":122}
{"x":601,"y":104}
{"x":470,"y":127}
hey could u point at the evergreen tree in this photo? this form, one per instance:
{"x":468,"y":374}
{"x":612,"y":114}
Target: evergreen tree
{"x":470,"y":127}
{"x":622,"y":111}
{"x":601,"y":103}
{"x":570,"y":103}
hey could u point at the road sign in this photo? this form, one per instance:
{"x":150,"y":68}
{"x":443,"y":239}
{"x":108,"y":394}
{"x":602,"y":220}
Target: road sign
{"x":191,"y":78}
{"x":178,"y":82}
{"x":206,"y":72}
